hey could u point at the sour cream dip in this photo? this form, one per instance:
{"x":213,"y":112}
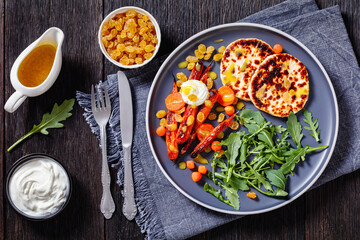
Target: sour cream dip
{"x":39,"y":187}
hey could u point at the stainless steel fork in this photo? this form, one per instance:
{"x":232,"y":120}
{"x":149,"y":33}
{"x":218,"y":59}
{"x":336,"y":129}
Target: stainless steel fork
{"x":101,"y":109}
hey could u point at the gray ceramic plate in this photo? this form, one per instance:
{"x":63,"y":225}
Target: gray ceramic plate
{"x":322,"y":103}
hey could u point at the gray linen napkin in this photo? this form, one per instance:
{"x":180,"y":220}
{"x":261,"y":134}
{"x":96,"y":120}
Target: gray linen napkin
{"x":323,"y":32}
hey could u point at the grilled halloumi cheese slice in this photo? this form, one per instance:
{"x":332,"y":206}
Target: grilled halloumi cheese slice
{"x":240,"y":60}
{"x":280,"y":85}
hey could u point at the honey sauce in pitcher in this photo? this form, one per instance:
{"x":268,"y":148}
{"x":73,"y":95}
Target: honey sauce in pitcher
{"x":35,"y":68}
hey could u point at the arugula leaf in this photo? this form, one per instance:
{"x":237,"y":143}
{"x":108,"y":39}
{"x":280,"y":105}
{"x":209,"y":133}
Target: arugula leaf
{"x":294,"y":157}
{"x":260,"y":178}
{"x":217,"y":193}
{"x":50,"y":120}
{"x":294,"y":128}
{"x":252,"y":120}
{"x":233,"y":197}
{"x":313,"y":125}
{"x":233,"y":143}
{"x":276,"y":178}
{"x":266,"y":137}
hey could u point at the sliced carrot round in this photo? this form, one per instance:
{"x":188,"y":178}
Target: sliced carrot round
{"x":277,"y":48}
{"x":215,"y":148}
{"x":202,"y":169}
{"x":196,"y":176}
{"x":174,"y":102}
{"x":161,"y":131}
{"x":190,"y":164}
{"x":226,"y":96}
{"x":229,"y":110}
{"x":204,"y":130}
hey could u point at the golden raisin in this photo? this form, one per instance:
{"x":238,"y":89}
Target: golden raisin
{"x":178,"y":117}
{"x":240,"y":105}
{"x":220,"y":135}
{"x":251,"y":195}
{"x":212,"y":116}
{"x":161,"y":114}
{"x":221,"y":117}
{"x":210,"y":49}
{"x":190,"y":66}
{"x":163,"y":122}
{"x":147,"y":56}
{"x":208,"y":103}
{"x":190,"y":120}
{"x":202,"y":48}
{"x":221,"y":49}
{"x":149,"y":48}
{"x":191,"y":59}
{"x":217,"y":57}
{"x":234,"y":125}
{"x":200,"y":117}
{"x":207,"y":149}
{"x":181,"y":76}
{"x":198,"y":54}
{"x":207,"y":56}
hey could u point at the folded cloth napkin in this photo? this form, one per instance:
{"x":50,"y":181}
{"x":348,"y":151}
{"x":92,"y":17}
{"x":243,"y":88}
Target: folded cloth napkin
{"x":323,"y":32}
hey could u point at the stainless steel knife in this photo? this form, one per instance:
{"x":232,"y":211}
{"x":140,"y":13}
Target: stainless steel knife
{"x":126,"y":126}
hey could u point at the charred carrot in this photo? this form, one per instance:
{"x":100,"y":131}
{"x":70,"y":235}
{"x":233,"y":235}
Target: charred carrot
{"x":205,"y":74}
{"x":171,"y":129}
{"x":205,"y":110}
{"x":206,"y":141}
{"x":171,"y":144}
{"x":197,"y":70}
{"x":186,"y":124}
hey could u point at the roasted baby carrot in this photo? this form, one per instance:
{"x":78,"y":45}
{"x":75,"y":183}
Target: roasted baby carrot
{"x":206,"y":141}
{"x":171,"y":129}
{"x":205,"y":74}
{"x":196,"y":72}
{"x":186,"y":124}
{"x":205,"y":110}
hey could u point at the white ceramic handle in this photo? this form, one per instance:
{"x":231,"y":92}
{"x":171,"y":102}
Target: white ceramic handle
{"x":15,"y":100}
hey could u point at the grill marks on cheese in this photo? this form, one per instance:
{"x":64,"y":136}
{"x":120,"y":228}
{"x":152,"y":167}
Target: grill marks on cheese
{"x":240,"y":60}
{"x":280,"y":85}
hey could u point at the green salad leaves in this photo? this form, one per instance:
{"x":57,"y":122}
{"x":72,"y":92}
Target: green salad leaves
{"x":50,"y":120}
{"x":260,"y":158}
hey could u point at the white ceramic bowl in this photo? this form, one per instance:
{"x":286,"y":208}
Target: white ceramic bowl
{"x":122,"y":10}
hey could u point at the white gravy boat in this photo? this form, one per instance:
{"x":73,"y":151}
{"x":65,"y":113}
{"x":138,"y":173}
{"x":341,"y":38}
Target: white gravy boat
{"x":52,"y":35}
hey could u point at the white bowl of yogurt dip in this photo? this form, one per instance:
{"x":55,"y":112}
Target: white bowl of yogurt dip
{"x":38,"y":186}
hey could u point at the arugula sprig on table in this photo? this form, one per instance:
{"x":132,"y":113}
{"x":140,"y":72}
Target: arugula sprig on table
{"x":50,"y":120}
{"x":259,"y":158}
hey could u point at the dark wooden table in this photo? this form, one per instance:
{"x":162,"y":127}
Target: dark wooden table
{"x":328,"y":212}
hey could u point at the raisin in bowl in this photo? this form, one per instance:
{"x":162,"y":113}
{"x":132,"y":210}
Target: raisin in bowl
{"x":129,"y":37}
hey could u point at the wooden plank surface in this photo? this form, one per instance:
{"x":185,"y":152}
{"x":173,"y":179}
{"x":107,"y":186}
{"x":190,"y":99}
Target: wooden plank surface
{"x":328,"y":212}
{"x":25,"y":21}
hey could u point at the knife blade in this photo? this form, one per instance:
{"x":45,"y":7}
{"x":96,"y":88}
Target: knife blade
{"x":126,"y":127}
{"x":126,"y":109}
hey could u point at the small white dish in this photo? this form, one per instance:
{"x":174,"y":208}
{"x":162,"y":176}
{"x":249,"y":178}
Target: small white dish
{"x":122,"y":10}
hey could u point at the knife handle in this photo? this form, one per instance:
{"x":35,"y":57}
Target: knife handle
{"x":107,"y":205}
{"x":129,"y":207}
